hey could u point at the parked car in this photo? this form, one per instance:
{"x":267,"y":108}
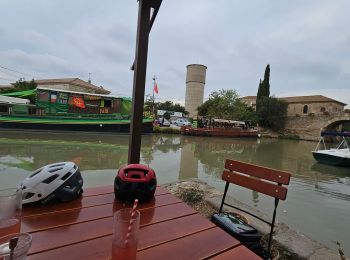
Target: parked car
{"x":182,"y":122}
{"x":166,"y":122}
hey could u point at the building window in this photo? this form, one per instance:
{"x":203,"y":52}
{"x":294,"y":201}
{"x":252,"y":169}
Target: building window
{"x":305,"y":110}
{"x":43,"y":96}
{"x":323,"y":109}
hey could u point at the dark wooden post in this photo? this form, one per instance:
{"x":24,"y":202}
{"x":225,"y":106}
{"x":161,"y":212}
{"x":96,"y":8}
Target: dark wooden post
{"x":138,"y":93}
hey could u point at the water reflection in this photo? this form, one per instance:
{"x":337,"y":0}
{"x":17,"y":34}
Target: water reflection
{"x":319,"y":192}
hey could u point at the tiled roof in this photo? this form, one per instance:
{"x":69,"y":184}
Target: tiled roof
{"x":303,"y":99}
{"x":73,"y":81}
{"x":309,"y":99}
{"x":248,"y":97}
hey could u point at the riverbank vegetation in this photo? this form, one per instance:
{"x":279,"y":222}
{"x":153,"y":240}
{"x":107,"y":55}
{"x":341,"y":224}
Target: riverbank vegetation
{"x":226,"y":104}
{"x":271,"y":112}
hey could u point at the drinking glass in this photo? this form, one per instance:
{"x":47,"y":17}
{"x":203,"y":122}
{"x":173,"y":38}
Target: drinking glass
{"x":10,"y":211}
{"x":125,"y":234}
{"x":15,"y":246}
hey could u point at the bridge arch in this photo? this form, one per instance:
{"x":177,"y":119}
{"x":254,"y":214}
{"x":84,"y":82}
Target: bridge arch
{"x":309,"y":126}
{"x":335,"y":124}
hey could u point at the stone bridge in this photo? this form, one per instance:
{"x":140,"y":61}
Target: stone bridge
{"x":308,"y":127}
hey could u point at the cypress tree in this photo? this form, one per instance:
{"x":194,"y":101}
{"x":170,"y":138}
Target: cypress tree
{"x":264,"y":87}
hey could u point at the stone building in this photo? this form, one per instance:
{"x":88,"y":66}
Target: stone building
{"x":70,"y":84}
{"x":304,"y":105}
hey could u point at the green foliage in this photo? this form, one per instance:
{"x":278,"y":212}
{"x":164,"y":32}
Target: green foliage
{"x":167,"y":105}
{"x":21,"y":85}
{"x":264,"y":87}
{"x":166,"y":115}
{"x":226,"y":104}
{"x":170,"y":106}
{"x":346,"y":127}
{"x":272,"y":112}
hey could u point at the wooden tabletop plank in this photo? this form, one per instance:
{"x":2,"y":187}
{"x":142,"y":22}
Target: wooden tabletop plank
{"x":66,"y":235}
{"x":82,"y":229}
{"x":196,"y":246}
{"x":237,"y":253}
{"x":74,"y":216}
{"x":110,"y":189}
{"x":100,"y":248}
{"x":92,"y":199}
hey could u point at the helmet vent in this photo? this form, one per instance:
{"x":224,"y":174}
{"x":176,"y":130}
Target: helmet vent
{"x":65,"y":177}
{"x":35,"y":173}
{"x":50,"y":179}
{"x":55,"y":169}
{"x":28,"y":195}
{"x":56,"y":164}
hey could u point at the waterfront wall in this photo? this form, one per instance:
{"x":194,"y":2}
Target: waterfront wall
{"x":308,"y":127}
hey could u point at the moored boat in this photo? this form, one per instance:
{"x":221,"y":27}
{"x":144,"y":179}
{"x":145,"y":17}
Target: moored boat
{"x":67,"y":111}
{"x":222,"y":128}
{"x":339,"y":156}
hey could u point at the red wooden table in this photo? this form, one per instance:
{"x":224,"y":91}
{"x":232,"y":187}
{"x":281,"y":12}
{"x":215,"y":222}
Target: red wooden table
{"x":169,"y":229}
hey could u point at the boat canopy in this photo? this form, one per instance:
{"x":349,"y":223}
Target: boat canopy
{"x":224,"y":121}
{"x":334,"y":133}
{"x":12,"y":100}
{"x":24,"y":93}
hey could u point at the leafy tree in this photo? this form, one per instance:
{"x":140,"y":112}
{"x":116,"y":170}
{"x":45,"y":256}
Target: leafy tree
{"x":21,"y":85}
{"x":264,"y":86}
{"x":226,"y":104}
{"x":170,"y":106}
{"x":166,"y":115}
{"x":272,"y":112}
{"x":148,"y":105}
{"x":167,"y":105}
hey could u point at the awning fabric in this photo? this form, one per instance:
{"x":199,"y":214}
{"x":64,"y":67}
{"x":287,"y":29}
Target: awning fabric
{"x":21,"y":93}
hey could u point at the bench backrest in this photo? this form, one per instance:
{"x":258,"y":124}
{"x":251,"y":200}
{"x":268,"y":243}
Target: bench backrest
{"x":261,"y":179}
{"x":258,"y":178}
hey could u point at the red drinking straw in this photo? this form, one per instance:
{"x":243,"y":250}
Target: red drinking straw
{"x":131,"y":222}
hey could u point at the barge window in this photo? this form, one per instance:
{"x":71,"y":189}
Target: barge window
{"x":43,"y":96}
{"x":108,"y":103}
{"x":3,"y":109}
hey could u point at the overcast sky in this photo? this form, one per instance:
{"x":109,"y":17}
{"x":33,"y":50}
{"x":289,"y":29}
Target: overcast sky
{"x":306,"y":43}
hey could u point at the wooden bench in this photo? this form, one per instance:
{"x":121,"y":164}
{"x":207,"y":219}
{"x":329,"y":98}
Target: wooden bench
{"x":261,"y":179}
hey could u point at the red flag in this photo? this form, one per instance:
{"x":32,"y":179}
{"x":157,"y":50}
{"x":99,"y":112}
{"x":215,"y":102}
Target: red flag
{"x":155,"y":89}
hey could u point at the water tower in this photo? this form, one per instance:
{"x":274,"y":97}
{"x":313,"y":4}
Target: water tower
{"x":195,"y":81}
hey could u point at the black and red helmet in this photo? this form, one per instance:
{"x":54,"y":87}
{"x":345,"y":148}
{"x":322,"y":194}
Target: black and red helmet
{"x":135,"y":181}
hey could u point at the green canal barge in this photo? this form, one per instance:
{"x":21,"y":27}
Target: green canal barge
{"x":56,"y":109}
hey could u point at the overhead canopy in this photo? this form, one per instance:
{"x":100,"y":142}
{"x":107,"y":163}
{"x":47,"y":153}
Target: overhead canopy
{"x":24,"y":93}
{"x":13,"y":100}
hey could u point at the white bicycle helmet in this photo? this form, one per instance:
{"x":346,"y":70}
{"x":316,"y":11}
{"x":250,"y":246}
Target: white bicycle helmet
{"x":60,"y":181}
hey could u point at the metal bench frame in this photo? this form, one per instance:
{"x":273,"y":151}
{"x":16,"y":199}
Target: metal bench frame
{"x":261,"y":179}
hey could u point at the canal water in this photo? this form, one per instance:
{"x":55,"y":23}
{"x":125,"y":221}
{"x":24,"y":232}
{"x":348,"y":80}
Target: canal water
{"x":318,"y":200}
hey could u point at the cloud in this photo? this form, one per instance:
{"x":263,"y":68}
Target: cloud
{"x":43,"y":63}
{"x":307,"y":43}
